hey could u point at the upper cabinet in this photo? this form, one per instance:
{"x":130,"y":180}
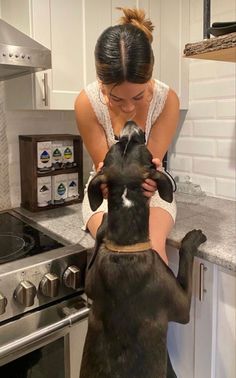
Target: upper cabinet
{"x":70,"y":30}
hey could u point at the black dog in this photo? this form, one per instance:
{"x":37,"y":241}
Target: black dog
{"x":134,"y":292}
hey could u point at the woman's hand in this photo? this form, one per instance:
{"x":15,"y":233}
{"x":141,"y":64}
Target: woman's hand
{"x":149,"y":186}
{"x":103,"y":187}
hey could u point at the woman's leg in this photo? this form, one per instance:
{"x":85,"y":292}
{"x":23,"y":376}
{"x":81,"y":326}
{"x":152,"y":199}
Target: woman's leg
{"x":160,"y":225}
{"x":94,"y":222}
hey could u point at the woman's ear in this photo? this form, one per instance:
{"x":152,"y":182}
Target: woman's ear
{"x":164,"y":184}
{"x":94,"y":190}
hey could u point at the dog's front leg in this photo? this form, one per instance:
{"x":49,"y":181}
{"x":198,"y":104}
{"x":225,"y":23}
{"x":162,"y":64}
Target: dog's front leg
{"x":182,"y":298}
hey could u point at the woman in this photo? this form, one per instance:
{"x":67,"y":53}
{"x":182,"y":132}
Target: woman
{"x":125,"y":90}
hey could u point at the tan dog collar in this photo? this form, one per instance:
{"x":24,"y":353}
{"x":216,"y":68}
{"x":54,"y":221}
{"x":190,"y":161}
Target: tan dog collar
{"x":138,"y":247}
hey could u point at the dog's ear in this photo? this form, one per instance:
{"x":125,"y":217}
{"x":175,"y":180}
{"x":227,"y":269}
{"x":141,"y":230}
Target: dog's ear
{"x":94,"y":191}
{"x":164,"y":184}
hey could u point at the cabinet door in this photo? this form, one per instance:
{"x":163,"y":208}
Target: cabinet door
{"x":61,"y":31}
{"x":180,"y":340}
{"x":205,"y":301}
{"x":225,"y":339}
{"x":76,"y":344}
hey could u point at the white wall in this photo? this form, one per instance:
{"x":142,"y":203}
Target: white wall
{"x":205,"y":145}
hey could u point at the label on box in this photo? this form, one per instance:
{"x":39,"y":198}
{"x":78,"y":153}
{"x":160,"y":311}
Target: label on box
{"x":44,"y":155}
{"x":68,"y":152}
{"x":73,"y":190}
{"x":57,"y":154}
{"x":59,"y":188}
{"x":44,"y":191}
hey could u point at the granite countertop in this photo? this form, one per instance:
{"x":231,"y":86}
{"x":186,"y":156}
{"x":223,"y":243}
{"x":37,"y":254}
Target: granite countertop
{"x":216,"y":217}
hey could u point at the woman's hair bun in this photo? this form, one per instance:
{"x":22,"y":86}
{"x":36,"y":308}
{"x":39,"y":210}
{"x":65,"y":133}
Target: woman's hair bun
{"x":137,"y":17}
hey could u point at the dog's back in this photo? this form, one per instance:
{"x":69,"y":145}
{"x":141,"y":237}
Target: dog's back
{"x":127,"y":330}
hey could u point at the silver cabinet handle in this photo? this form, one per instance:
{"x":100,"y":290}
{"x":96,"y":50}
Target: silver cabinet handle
{"x":45,"y":87}
{"x":202,"y":290}
{"x":43,"y":332}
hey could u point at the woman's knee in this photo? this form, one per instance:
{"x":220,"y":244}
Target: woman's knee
{"x":160,"y":225}
{"x":94,"y":222}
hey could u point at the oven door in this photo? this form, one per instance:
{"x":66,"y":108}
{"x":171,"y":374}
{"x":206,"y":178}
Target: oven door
{"x":45,"y":343}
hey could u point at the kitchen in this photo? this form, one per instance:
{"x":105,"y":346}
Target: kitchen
{"x":204,"y":150}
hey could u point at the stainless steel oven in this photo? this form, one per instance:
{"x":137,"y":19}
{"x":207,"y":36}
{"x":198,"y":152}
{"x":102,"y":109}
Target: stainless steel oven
{"x":43,"y":314}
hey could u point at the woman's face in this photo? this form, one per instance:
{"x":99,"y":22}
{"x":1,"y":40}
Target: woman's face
{"x":126,"y":97}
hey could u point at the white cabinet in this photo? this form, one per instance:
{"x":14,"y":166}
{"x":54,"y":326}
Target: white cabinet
{"x":206,"y":347}
{"x":181,"y":336}
{"x":70,"y":30}
{"x":225,"y":339}
{"x":77,"y":337}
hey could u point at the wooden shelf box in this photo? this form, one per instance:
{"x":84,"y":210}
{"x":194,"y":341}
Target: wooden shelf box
{"x":30,"y":173}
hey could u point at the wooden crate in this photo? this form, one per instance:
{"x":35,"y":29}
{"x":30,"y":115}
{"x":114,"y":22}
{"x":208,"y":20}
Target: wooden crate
{"x":29,"y":172}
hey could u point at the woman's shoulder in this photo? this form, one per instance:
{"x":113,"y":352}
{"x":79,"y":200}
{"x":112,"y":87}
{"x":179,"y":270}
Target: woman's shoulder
{"x":163,"y":88}
{"x":88,"y":106}
{"x":85,"y":95}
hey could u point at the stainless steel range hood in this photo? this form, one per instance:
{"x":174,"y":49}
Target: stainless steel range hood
{"x":19,"y":54}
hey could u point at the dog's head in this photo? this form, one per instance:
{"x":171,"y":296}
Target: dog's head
{"x":127,"y":164}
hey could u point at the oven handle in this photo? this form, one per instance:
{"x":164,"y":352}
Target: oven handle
{"x":43,"y":332}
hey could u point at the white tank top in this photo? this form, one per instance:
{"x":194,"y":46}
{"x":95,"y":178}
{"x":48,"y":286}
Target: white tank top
{"x":156,"y":106}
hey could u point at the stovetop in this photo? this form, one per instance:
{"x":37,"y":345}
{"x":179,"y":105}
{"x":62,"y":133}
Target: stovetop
{"x":36,"y":269}
{"x":19,"y":239}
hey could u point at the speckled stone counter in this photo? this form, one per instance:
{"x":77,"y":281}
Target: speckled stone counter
{"x":216,"y":217}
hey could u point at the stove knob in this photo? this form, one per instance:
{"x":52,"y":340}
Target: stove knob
{"x":49,"y":285}
{"x":71,"y":277}
{"x":3,"y":304}
{"x":25,"y":293}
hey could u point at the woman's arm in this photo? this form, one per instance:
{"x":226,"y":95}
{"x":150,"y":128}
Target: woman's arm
{"x":90,"y":130}
{"x":164,"y":129}
{"x":161,"y":135}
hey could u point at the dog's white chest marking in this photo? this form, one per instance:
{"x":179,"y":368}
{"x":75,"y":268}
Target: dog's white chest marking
{"x":126,"y":201}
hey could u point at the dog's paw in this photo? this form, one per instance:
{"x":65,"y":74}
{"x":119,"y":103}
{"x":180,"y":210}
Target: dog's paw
{"x":194,"y":238}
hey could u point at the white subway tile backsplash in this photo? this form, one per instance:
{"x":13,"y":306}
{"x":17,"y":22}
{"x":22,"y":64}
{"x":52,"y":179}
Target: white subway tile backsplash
{"x":212,"y":113}
{"x":226,"y":188}
{"x":202,"y":70}
{"x":201,"y":110}
{"x":226,"y":108}
{"x":186,"y":128}
{"x":225,"y":69}
{"x":212,"y":89}
{"x":191,"y":146}
{"x":181,"y":163}
{"x":214,"y":128}
{"x":13,"y":152}
{"x":213,"y":167}
{"x":226,"y":149}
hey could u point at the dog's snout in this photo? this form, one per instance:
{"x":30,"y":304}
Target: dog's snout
{"x":131,"y":132}
{"x":130,"y":128}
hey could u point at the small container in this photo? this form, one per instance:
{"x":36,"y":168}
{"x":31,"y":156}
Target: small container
{"x":187,"y":192}
{"x":68,"y":154}
{"x":57,"y":154}
{"x":44,"y":191}
{"x":44,"y":156}
{"x":73,"y":189}
{"x":59,"y":188}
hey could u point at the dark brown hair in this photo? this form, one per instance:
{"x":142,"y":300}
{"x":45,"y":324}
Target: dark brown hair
{"x":123,"y":52}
